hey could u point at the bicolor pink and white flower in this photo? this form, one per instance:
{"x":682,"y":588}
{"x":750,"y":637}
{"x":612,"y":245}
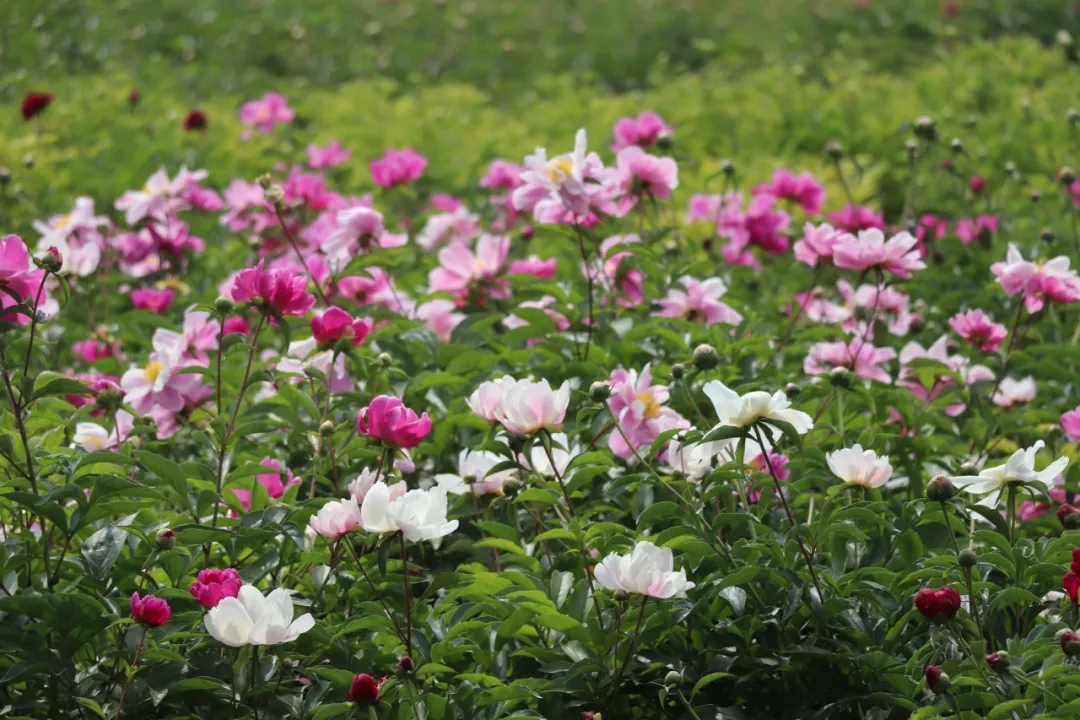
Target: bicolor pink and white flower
{"x":485,"y":399}
{"x":647,"y":570}
{"x":1037,"y":281}
{"x":863,"y":468}
{"x":638,"y":406}
{"x":565,"y":189}
{"x":897,"y":256}
{"x":527,"y":407}
{"x":358,"y":230}
{"x":699,"y":301}
{"x":1014,"y":392}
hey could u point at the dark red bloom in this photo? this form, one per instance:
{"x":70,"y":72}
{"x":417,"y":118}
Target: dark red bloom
{"x":1066,"y":510}
{"x":150,"y":610}
{"x":938,"y":605}
{"x":134,"y":97}
{"x":405,"y":664}
{"x":977,"y":185}
{"x":934,"y":676}
{"x":1071,"y":581}
{"x":195,"y":120}
{"x":1070,"y":643}
{"x":364,"y":688}
{"x":35,"y":103}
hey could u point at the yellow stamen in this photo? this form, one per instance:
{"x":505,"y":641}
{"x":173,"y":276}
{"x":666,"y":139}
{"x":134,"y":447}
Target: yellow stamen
{"x":153,"y":369}
{"x":559,"y":165}
{"x":652,"y":408}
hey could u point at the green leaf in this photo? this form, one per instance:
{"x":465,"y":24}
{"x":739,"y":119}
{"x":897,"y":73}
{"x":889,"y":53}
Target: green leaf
{"x":102,"y":549}
{"x":708,"y":679}
{"x":332,"y":710}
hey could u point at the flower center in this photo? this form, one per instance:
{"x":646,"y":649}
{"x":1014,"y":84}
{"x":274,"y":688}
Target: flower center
{"x":94,"y":442}
{"x":153,"y":369}
{"x":63,"y":222}
{"x":652,"y":408}
{"x":559,"y":168}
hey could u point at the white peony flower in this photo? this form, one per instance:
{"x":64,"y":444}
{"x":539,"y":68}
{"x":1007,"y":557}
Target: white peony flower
{"x":736,"y":410}
{"x":336,"y":518}
{"x":561,"y":451}
{"x":253,"y":619}
{"x":694,"y":461}
{"x":475,"y":465}
{"x":526,"y":407}
{"x":647,"y":570}
{"x":1020,"y":468}
{"x":484,"y":400}
{"x":362,"y":484}
{"x":418,"y":514}
{"x":856,"y":466}
{"x":1014,"y":392}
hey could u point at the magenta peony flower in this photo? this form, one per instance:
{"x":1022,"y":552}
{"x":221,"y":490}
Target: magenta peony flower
{"x":19,"y":276}
{"x":502,"y":175}
{"x":266,"y":113}
{"x":281,"y":290}
{"x":156,"y":301}
{"x":909,"y":378}
{"x":646,"y":129}
{"x":149,"y":610}
{"x":818,"y":244}
{"x":760,"y":225}
{"x":969,"y":230}
{"x":327,"y":157}
{"x":275,"y":489}
{"x":387,"y":420}
{"x":638,"y":405}
{"x":802,"y":189}
{"x":334,"y":324}
{"x":1070,"y":422}
{"x":855,"y":218}
{"x":976,"y":327}
{"x":397,"y":167}
{"x":639,"y":175}
{"x":532,"y":265}
{"x":213,"y":586}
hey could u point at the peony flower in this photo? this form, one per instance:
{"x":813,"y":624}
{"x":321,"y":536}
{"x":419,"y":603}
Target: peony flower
{"x":938,"y":605}
{"x":362,"y":483}
{"x":149,"y":610}
{"x":646,"y":570}
{"x":1071,"y":582}
{"x":624,"y":281}
{"x":976,"y":327}
{"x":639,"y":175}
{"x":802,"y":189}
{"x":526,"y":407}
{"x":440,"y":316}
{"x":160,"y":384}
{"x":761,"y":225}
{"x":818,"y":243}
{"x":397,"y":167}
{"x":333,"y":154}
{"x":213,"y":585}
{"x":646,"y":129}
{"x":694,"y":461}
{"x":281,"y":290}
{"x":502,"y":175}
{"x":357,"y":230}
{"x":484,"y":400}
{"x":532,"y":265}
{"x":852,"y":219}
{"x":303,"y":354}
{"x":870,"y":250}
{"x":545,"y":303}
{"x":565,"y":189}
{"x":460,"y":270}
{"x":561,"y":450}
{"x":271,"y":482}
{"x":267,"y":112}
{"x":473,"y":474}
{"x":734,"y":410}
{"x":387,"y":420}
{"x":1020,"y":468}
{"x":34,"y":104}
{"x":334,"y":324}
{"x":196,"y":120}
{"x":970,"y":230}
{"x":1070,"y":422}
{"x":856,"y":466}
{"x":890,"y":304}
{"x":638,"y":406}
{"x":20,"y":278}
{"x":156,"y":301}
{"x":91,"y":436}
{"x":364,"y":689}
{"x":336,"y":518}
{"x":251,"y":618}
{"x":700,"y":302}
{"x":857,"y":355}
{"x":910,"y":379}
{"x":1037,"y":281}
{"x":418,"y":514}
{"x":449,"y":228}
{"x":1014,"y":392}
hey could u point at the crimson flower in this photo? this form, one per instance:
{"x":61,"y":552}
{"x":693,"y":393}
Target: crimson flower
{"x":35,"y":103}
{"x":937,"y":605}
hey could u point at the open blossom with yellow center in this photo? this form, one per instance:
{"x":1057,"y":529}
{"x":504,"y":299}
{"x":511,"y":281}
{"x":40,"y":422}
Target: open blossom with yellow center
{"x":652,"y":405}
{"x":638,"y":407}
{"x":152,"y":370}
{"x":559,"y":168}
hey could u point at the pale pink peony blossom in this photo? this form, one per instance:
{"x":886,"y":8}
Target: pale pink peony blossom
{"x":1037,"y":281}
{"x":527,"y":406}
{"x":266,"y":113}
{"x":802,"y":189}
{"x":857,"y":355}
{"x":869,"y":249}
{"x":909,"y":378}
{"x":440,"y":316}
{"x":699,"y":302}
{"x":463,"y":270}
{"x":459,"y":226}
{"x":397,"y":167}
{"x":336,"y":518}
{"x":320,"y":158}
{"x":639,"y":175}
{"x":645,"y":130}
{"x":1070,"y":422}
{"x":566,"y":189}
{"x":969,"y":230}
{"x":1014,"y":392}
{"x":818,"y":244}
{"x":357,"y":231}
{"x":484,"y":400}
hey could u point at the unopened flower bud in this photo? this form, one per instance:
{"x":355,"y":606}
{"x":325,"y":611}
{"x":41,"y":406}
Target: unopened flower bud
{"x":224,"y":305}
{"x":678,"y":371}
{"x":599,"y":392}
{"x":527,"y":233}
{"x":1066,"y":176}
{"x":1073,"y":116}
{"x":326,"y":429}
{"x":590,"y":716}
{"x":967,"y":558}
{"x":705,"y":357}
{"x":405,"y":664}
{"x":936,"y":680}
{"x":1069,"y":517}
{"x":274,"y":194}
{"x":926,"y":128}
{"x":673,"y":678}
{"x":1064,"y":38}
{"x":957,"y":146}
{"x":940,"y":489}
{"x":166,"y":540}
{"x":998,"y":661}
{"x":912,"y":148}
{"x":665,"y":141}
{"x":5,"y":176}
{"x":385,"y":360}
{"x":28,"y":161}
{"x":1011,"y":170}
{"x":977,"y":185}
{"x":727,"y":167}
{"x":50,"y":261}
{"x":1036,"y":196}
{"x":840,"y":377}
{"x":792,"y":390}
{"x":264,"y":181}
{"x":1070,"y":643}
{"x":834,"y":150}
{"x":1046,"y":235}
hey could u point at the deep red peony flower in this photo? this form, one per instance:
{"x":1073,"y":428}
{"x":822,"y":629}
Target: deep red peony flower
{"x":35,"y":103}
{"x":195,"y":120}
{"x":938,"y":605}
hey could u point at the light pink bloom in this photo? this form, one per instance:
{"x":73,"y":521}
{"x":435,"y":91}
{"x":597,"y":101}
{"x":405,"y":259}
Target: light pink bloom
{"x":457,"y":227}
{"x":266,"y":113}
{"x":1014,"y":392}
{"x":978,"y":328}
{"x":855,"y":218}
{"x":857,"y":355}
{"x":565,"y":189}
{"x":159,"y":197}
{"x":474,"y":474}
{"x":397,"y":167}
{"x":1070,"y":422}
{"x":638,"y":405}
{"x":160,"y":384}
{"x":561,"y":321}
{"x":532,"y":265}
{"x":644,"y":130}
{"x":91,"y":350}
{"x":462,"y":270}
{"x":818,"y":244}
{"x":1038,"y":281}
{"x":336,"y":518}
{"x":802,"y":189}
{"x":700,"y":302}
{"x":891,"y":306}
{"x":334,"y":324}
{"x":387,"y":420}
{"x":282,"y":290}
{"x":358,"y":230}
{"x":818,"y":308}
{"x":362,"y":484}
{"x":445,"y":202}
{"x":440,"y":316}
{"x":484,"y":400}
{"x":528,"y":406}
{"x":638,"y":175}
{"x":502,"y":175}
{"x":969,"y":230}
{"x":909,"y":378}
{"x":304,"y":354}
{"x":275,"y":489}
{"x":627,"y":284}
{"x":156,"y":301}
{"x":241,"y":197}
{"x":330,"y":156}
{"x":704,"y":208}
{"x":91,"y":436}
{"x":870,"y":249}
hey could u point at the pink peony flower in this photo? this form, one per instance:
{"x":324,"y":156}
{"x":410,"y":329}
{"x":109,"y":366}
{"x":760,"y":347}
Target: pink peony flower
{"x":334,"y":324}
{"x":397,"y":167}
{"x":870,"y":249}
{"x":275,"y":489}
{"x":802,"y":189}
{"x":566,"y":189}
{"x":156,"y":301}
{"x":638,"y":405}
{"x":626,"y":283}
{"x":213,"y":586}
{"x":160,"y":384}
{"x":1070,"y":422}
{"x":646,"y":129}
{"x":459,"y":226}
{"x":304,"y":354}
{"x":817,"y":308}
{"x":20,"y":278}
{"x":440,"y":317}
{"x":1038,"y":281}
{"x":281,"y":290}
{"x":818,"y":244}
{"x":149,"y":610}
{"x":883,"y":303}
{"x":532,"y":265}
{"x":266,"y":113}
{"x":527,"y":406}
{"x":561,"y":321}
{"x":639,"y":175}
{"x":502,"y":175}
{"x":704,"y":208}
{"x":760,"y":225}
{"x":241,"y":198}
{"x":1031,"y":509}
{"x":387,"y":420}
{"x":91,"y":350}
{"x":236,"y":324}
{"x":1014,"y":392}
{"x":857,"y":355}
{"x":357,"y":230}
{"x":320,"y":158}
{"x":445,"y":202}
{"x":909,"y":377}
{"x":462,"y":271}
{"x":969,"y":230}
{"x":976,"y":327}
{"x":700,"y":302}
{"x":855,"y":218}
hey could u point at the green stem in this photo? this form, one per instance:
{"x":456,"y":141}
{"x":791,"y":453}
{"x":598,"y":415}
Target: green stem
{"x":686,"y":704}
{"x":1012,"y":514}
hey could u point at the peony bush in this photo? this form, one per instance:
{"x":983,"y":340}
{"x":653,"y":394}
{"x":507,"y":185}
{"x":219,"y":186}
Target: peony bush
{"x":595,"y":434}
